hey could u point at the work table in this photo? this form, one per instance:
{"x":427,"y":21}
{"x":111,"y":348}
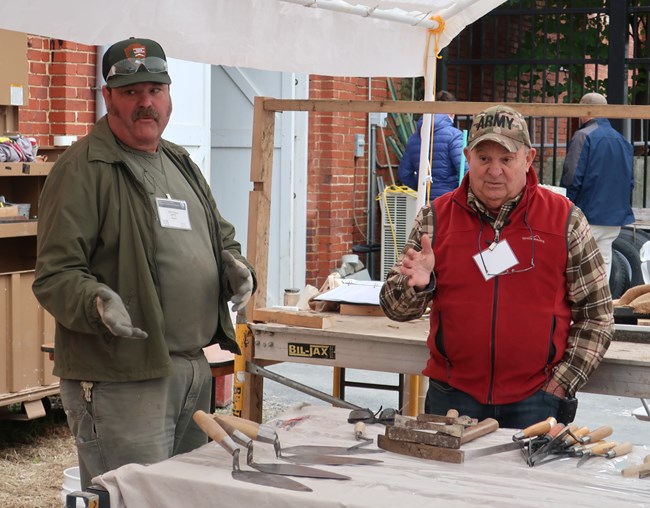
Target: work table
{"x":202,"y":478}
{"x":377,"y":343}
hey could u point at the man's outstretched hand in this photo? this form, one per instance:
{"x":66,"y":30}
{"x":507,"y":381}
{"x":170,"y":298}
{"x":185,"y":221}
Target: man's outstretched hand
{"x":113,"y":314}
{"x":418,"y":266}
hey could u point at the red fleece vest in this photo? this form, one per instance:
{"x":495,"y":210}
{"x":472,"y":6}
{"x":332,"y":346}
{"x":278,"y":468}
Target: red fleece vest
{"x":497,"y":340}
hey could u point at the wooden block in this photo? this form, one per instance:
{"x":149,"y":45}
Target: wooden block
{"x":354,"y":309}
{"x":397,"y":433}
{"x":421,"y":451}
{"x":412,"y":423}
{"x":447,"y":420}
{"x":8,"y":211}
{"x":304,"y":318}
{"x":443,"y":454}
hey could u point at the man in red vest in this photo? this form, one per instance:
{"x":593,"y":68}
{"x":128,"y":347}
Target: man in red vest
{"x":520,"y":308}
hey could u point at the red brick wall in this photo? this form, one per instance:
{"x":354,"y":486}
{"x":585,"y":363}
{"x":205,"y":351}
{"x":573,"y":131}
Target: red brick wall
{"x":61,"y":97}
{"x":337,"y":181}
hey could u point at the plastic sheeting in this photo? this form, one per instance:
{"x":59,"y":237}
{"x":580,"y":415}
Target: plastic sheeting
{"x":202,"y":478}
{"x":262,"y":34}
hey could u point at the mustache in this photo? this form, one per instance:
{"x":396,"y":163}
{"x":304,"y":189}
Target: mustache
{"x":148,"y":112}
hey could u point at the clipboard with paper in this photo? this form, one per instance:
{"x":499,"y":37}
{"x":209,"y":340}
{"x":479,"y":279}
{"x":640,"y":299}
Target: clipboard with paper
{"x":363,"y":292}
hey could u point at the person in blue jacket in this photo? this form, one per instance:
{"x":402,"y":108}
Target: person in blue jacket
{"x":598,"y":176}
{"x":447,"y":151}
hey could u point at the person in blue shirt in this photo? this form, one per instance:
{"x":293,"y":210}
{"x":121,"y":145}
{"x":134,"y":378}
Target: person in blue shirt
{"x":447,"y":152}
{"x":598,"y":176}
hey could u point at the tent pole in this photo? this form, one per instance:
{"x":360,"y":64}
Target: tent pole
{"x":425,"y":132}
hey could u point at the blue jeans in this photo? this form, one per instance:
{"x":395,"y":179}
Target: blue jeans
{"x":540,"y":405}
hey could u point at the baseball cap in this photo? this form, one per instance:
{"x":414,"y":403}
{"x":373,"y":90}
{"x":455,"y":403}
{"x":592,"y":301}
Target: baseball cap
{"x":502,"y":125}
{"x":135,"y":61}
{"x":593,"y":98}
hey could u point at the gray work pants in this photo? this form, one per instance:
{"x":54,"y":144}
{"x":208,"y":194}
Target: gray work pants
{"x":137,"y":422}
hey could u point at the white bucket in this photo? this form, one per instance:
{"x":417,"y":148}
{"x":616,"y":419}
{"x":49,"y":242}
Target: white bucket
{"x":71,"y":483}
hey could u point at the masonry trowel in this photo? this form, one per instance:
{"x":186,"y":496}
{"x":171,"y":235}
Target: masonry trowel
{"x":266,"y":434}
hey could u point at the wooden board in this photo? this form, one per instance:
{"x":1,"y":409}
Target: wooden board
{"x":422,"y":451}
{"x":353,"y":309}
{"x":304,"y":318}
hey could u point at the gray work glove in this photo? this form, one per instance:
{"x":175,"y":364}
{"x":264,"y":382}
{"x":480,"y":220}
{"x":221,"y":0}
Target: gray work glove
{"x":113,"y":314}
{"x":239,"y":278}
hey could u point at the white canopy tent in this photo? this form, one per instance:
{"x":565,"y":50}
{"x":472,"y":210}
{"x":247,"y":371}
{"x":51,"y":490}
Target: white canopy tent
{"x":263,"y":34}
{"x":330,"y":37}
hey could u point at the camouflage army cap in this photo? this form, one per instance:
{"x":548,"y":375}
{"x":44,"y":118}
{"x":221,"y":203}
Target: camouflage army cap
{"x":502,"y":125}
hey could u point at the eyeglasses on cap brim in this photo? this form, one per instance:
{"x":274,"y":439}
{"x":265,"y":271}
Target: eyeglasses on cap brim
{"x":153,"y":64}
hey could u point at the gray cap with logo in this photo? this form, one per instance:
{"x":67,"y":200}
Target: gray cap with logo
{"x":502,"y":125}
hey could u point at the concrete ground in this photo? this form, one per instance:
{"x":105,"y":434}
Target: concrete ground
{"x":593,"y":410}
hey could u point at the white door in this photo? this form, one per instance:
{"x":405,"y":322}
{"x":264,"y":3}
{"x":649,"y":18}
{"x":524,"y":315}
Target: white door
{"x":233,"y":93}
{"x":189,"y":125}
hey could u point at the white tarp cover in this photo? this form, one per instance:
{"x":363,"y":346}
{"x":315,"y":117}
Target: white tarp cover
{"x":203,"y":478}
{"x":262,"y":34}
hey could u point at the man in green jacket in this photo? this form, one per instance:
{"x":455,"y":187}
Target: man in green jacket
{"x":137,"y":267}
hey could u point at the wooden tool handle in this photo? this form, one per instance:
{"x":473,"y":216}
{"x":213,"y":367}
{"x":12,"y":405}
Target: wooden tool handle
{"x":538,"y":429}
{"x":601,"y":447}
{"x":555,"y":430}
{"x":635,"y":471}
{"x":208,"y":425}
{"x":359,"y":430}
{"x":248,"y":427}
{"x":619,"y":450}
{"x":481,"y":429}
{"x":599,"y":433}
{"x":225,"y":425}
{"x":579,"y":433}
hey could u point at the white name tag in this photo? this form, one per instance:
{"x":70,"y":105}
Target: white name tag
{"x":495,"y":261}
{"x":173,"y":213}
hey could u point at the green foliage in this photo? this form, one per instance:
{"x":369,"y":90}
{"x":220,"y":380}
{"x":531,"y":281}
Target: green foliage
{"x":564,"y":32}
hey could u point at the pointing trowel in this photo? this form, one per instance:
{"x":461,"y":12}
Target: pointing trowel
{"x":359,"y":448}
{"x":311,"y":455}
{"x":282,"y":469}
{"x":218,"y":435}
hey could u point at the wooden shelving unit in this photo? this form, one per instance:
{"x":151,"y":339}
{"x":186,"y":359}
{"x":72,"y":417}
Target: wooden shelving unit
{"x":25,"y":371}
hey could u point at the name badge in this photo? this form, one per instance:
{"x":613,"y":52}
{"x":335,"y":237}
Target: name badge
{"x":495,"y":259}
{"x":173,"y":213}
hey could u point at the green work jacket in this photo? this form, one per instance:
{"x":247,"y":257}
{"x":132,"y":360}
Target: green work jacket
{"x":96,"y":228}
